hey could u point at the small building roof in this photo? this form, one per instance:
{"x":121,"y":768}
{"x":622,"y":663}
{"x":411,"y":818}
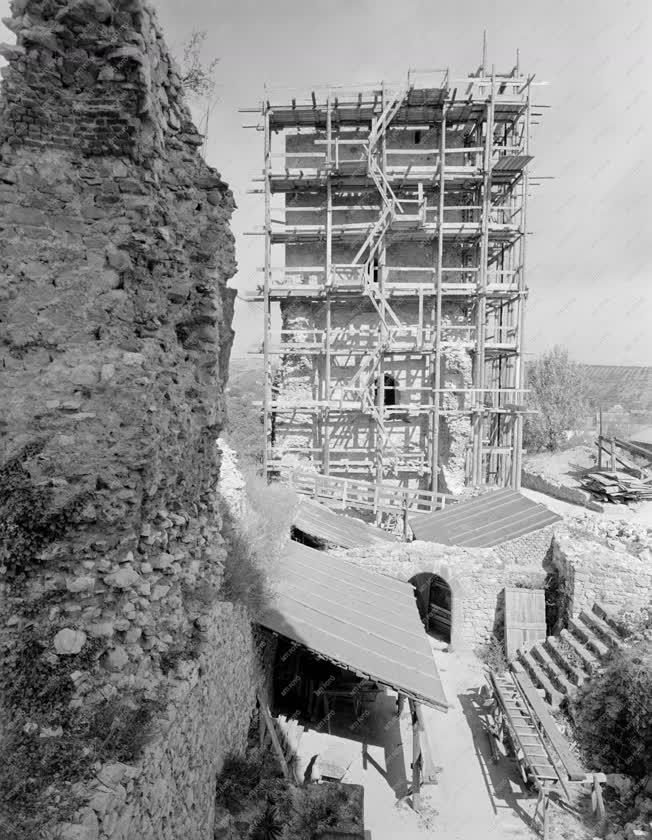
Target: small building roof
{"x":358,"y":619}
{"x":483,"y":522}
{"x":322,"y":522}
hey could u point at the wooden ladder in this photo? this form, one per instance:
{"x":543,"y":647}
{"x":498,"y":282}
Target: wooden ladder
{"x":514,"y":715}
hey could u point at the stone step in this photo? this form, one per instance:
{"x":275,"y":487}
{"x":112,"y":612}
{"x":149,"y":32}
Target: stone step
{"x":576,"y":675}
{"x":589,"y":659}
{"x":554,"y":670}
{"x":540,"y":678}
{"x":602,"y":629}
{"x":608,"y":615}
{"x":586,"y":635}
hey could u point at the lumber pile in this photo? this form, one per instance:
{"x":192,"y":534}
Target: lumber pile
{"x":617,"y":487}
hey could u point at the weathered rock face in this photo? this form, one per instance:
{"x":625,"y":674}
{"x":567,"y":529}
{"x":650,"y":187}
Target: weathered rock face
{"x":115,"y":333}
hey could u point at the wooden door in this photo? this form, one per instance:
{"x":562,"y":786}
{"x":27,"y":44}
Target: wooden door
{"x":525,"y":618}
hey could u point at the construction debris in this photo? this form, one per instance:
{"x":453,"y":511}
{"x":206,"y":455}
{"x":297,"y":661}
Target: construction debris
{"x":617,"y":487}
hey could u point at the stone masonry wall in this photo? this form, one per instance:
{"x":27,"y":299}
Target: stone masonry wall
{"x":115,"y":333}
{"x":477,"y":578}
{"x":592,"y":572}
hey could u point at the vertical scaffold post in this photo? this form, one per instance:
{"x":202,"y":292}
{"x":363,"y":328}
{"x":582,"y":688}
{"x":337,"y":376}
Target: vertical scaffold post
{"x":267,"y":395}
{"x":522,"y":295}
{"x":438,"y":362}
{"x":329,"y":257}
{"x":481,"y":303}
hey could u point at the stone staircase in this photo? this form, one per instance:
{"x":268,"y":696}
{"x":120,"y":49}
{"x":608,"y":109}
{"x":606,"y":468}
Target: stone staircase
{"x":562,"y":664}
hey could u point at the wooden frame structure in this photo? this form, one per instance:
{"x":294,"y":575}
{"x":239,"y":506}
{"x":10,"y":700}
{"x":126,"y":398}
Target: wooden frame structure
{"x":349,"y":185}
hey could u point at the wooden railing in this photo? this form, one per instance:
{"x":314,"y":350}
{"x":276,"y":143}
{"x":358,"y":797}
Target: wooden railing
{"x":348,"y":492}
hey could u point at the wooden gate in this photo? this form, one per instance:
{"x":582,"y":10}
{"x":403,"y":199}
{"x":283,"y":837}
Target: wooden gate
{"x":525,"y":618}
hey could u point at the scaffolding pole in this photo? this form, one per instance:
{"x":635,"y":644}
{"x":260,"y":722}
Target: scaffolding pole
{"x":438,"y":361}
{"x":329,"y":260}
{"x":520,"y":334}
{"x":267,"y":396}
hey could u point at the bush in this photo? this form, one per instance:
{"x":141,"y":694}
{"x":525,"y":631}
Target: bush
{"x":492,"y":655}
{"x":317,"y":810}
{"x":254,"y":543}
{"x":613,"y":714}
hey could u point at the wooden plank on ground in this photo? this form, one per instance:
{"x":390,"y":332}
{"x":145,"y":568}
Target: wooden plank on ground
{"x":525,"y":619}
{"x":576,"y":773}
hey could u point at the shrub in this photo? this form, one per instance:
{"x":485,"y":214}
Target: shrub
{"x":254,"y":544}
{"x":317,"y":810}
{"x":613,"y":714}
{"x":492,"y":655}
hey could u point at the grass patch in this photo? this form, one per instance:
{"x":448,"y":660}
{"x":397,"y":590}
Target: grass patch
{"x":47,"y":744}
{"x":265,"y":806}
{"x":254,"y":543}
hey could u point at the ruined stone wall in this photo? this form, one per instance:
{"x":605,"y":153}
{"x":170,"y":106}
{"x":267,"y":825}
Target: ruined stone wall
{"x":593,"y":572}
{"x":115,"y":333}
{"x":477,"y":578}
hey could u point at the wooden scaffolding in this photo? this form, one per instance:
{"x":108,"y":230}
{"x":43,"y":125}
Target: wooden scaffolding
{"x":350,"y":183}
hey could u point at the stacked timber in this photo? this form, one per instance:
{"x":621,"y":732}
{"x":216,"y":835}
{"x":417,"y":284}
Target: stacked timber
{"x":617,"y":487}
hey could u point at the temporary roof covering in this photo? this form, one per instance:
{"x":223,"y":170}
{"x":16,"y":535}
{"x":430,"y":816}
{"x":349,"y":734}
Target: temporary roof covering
{"x":360,"y":620}
{"x":484,"y":521}
{"x":321,"y":522}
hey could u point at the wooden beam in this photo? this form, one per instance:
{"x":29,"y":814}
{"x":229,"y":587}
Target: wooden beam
{"x":269,"y":723}
{"x":267,"y":392}
{"x":416,"y":757}
{"x":434,"y":467}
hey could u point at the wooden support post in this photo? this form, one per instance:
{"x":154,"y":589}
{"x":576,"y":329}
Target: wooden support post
{"x":600,"y":441}
{"x":612,"y":451}
{"x":269,"y":723}
{"x":267,"y":393}
{"x":438,"y":361}
{"x":329,"y":258}
{"x":520,"y":324}
{"x":416,"y":757}
{"x":481,"y":300}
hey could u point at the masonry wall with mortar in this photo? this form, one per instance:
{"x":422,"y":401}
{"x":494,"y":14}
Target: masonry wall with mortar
{"x":115,"y":334}
{"x":477,"y":578}
{"x":593,"y":572}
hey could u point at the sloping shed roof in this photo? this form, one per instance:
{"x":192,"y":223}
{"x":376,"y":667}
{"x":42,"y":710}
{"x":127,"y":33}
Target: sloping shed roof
{"x":320,"y":521}
{"x":484,"y":521}
{"x":363,"y":621}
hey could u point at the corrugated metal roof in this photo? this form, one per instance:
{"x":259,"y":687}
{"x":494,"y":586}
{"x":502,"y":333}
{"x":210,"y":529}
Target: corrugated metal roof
{"x":484,"y":521}
{"x":320,"y":521}
{"x":361,"y":620}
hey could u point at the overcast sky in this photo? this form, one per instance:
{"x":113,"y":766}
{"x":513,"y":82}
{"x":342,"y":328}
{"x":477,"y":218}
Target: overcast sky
{"x":589,"y":253}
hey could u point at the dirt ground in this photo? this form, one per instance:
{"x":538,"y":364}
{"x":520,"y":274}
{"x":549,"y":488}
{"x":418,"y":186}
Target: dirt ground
{"x":473,"y":797}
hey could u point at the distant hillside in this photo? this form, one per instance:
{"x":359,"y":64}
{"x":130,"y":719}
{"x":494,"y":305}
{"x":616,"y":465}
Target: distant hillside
{"x":611,"y":385}
{"x":244,"y":427}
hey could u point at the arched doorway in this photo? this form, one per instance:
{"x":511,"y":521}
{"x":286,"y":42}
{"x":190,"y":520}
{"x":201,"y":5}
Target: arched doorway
{"x":435,"y":604}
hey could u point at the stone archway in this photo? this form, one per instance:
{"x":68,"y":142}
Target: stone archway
{"x":434,"y":602}
{"x":446,"y":580}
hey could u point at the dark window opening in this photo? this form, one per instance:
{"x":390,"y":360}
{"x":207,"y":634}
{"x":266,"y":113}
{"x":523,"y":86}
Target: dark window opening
{"x":375,"y":270}
{"x":417,"y":137}
{"x":390,"y":389}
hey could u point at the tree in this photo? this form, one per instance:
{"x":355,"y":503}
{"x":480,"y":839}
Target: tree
{"x":557,"y":395}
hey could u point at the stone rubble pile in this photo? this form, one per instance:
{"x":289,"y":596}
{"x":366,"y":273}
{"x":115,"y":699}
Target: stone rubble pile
{"x":617,"y":534}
